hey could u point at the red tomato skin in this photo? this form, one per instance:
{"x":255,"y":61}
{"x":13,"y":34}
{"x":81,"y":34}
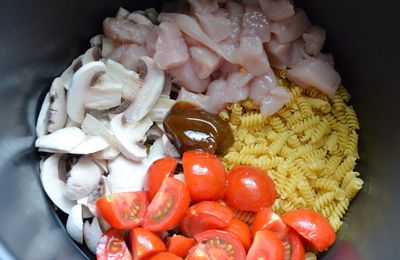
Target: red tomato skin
{"x":239,"y":252}
{"x":179,"y":245}
{"x":175,"y":192}
{"x":145,"y":243}
{"x":205,"y":176}
{"x":165,"y":256}
{"x":266,"y":245}
{"x":241,"y":230}
{"x":267,"y":219}
{"x":108,"y":208}
{"x":249,"y":189}
{"x":110,"y":239}
{"x":198,"y":252}
{"x":312,"y":226}
{"x":205,"y":215}
{"x":296,"y":245}
{"x":157,"y":172}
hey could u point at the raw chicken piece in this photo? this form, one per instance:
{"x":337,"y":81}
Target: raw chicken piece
{"x":229,"y":67}
{"x":277,"y":98}
{"x":151,"y":40}
{"x":277,"y":10}
{"x":203,"y":6}
{"x":205,"y":61}
{"x":260,"y":87}
{"x":313,"y":72}
{"x":327,"y":57}
{"x":314,"y":39}
{"x":125,"y":31}
{"x":187,"y":78}
{"x":281,"y":55}
{"x":217,"y":27}
{"x":190,"y":41}
{"x":171,"y":49}
{"x":254,"y":58}
{"x":128,"y":55}
{"x":254,"y":23}
{"x":236,"y":12}
{"x":237,"y":87}
{"x":199,"y":99}
{"x":215,"y":92}
{"x":291,"y":28}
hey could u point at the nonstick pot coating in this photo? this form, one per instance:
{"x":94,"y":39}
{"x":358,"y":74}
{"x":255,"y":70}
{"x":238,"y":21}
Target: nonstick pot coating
{"x":40,"y":38}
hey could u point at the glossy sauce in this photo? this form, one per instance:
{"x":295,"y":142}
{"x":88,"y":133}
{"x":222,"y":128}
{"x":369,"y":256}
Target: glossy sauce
{"x":190,"y":127}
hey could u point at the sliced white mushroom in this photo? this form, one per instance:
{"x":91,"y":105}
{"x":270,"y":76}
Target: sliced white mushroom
{"x":129,"y":134}
{"x":169,"y":148}
{"x":103,"y":97}
{"x":149,"y":93}
{"x":161,"y":126}
{"x":104,"y":225}
{"x":154,"y":133}
{"x":152,"y":14}
{"x":181,"y":177}
{"x":58,"y":109}
{"x":84,"y":176}
{"x":91,"y":234}
{"x":75,"y":224}
{"x":82,"y":80}
{"x":53,"y":185}
{"x":95,"y":127}
{"x":90,"y":201}
{"x":96,"y":40}
{"x":43,"y":118}
{"x":107,"y":46}
{"x":156,"y":152}
{"x":102,"y":164}
{"x":139,"y":18}
{"x":71,"y":123}
{"x":86,"y":213}
{"x":122,"y":13}
{"x":92,"y":54}
{"x":91,"y":144}
{"x":64,"y":139}
{"x":161,"y":109}
{"x":66,"y":76}
{"x":106,"y":154}
{"x":166,"y":91}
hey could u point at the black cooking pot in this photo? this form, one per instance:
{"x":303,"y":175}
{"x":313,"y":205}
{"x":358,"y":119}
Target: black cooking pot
{"x":40,"y":38}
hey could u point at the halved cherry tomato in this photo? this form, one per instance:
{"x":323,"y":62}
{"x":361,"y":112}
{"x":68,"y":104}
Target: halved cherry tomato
{"x":145,"y":243}
{"x":249,"y":189}
{"x":241,"y":230}
{"x":156,"y":173}
{"x":123,"y":210}
{"x":266,"y":245}
{"x":165,"y":256}
{"x":205,"y":215}
{"x":168,"y":206}
{"x":312,"y":226}
{"x":205,"y":176}
{"x":179,"y":245}
{"x":296,"y":246}
{"x":267,"y":219}
{"x":112,"y":246}
{"x":217,"y":244}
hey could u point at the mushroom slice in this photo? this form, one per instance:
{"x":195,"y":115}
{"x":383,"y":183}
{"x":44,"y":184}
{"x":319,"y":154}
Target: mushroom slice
{"x":105,"y":96}
{"x":161,"y":109}
{"x":95,"y":127}
{"x":71,"y":123}
{"x":106,"y":154}
{"x":96,"y":40}
{"x":129,"y":134}
{"x":156,"y":152}
{"x":84,"y":176}
{"x":58,"y":112}
{"x":81,"y":81}
{"x":66,"y":76}
{"x":53,"y":185}
{"x":91,"y":234}
{"x":169,"y":148}
{"x":107,"y":45}
{"x":166,"y":91}
{"x":90,"y":201}
{"x":91,"y":144}
{"x":154,"y":133}
{"x":102,"y":164}
{"x":43,"y":118}
{"x":64,"y":139}
{"x":149,"y":93}
{"x":75,"y":224}
{"x":92,"y":54}
{"x":126,"y":175}
{"x":152,"y":14}
{"x":122,"y":13}
{"x":139,"y":18}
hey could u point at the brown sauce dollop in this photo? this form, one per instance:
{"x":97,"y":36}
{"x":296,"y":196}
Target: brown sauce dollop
{"x":190,"y":127}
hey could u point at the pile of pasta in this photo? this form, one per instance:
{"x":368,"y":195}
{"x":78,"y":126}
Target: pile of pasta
{"x":309,"y":149}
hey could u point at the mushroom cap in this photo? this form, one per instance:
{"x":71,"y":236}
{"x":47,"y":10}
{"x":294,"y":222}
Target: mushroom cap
{"x":106,"y":154}
{"x":63,"y":140}
{"x":169,"y":148}
{"x":75,"y":224}
{"x":66,"y":76}
{"x":96,"y":40}
{"x":58,"y":110}
{"x":91,"y":144}
{"x":160,"y":110}
{"x":43,"y":118}
{"x":91,"y":234}
{"x":92,"y":54}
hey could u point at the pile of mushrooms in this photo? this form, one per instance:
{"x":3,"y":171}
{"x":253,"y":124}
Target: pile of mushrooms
{"x":93,"y":124}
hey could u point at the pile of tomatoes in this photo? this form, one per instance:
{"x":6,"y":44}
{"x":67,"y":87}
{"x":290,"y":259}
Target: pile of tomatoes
{"x":193,"y":220}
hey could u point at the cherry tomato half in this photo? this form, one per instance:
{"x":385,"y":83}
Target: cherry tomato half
{"x":179,"y":245}
{"x":205,"y":215}
{"x":157,"y":172}
{"x":249,"y":189}
{"x":145,"y":243}
{"x":123,"y":210}
{"x":266,"y":245}
{"x":112,"y":246}
{"x":166,"y":256}
{"x":217,"y":244}
{"x":267,"y":219}
{"x":312,"y":226}
{"x":296,"y":246}
{"x":168,"y":207}
{"x":241,"y":230}
{"x":205,"y":176}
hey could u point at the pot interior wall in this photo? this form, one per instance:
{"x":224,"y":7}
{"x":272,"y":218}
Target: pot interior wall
{"x":40,"y":38}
